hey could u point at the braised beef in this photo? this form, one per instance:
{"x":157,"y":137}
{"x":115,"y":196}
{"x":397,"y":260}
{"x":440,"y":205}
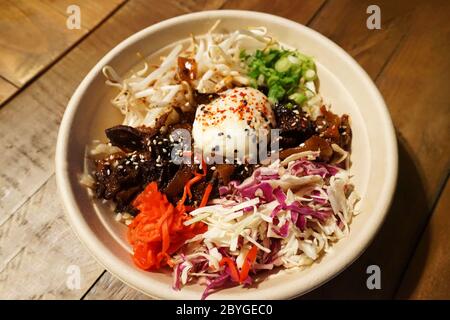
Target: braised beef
{"x":176,"y":185}
{"x":224,"y":173}
{"x":121,"y":177}
{"x":146,"y":155}
{"x":187,"y":69}
{"x":198,"y":190}
{"x":204,"y":98}
{"x":333,"y":128}
{"x":295,"y":126}
{"x":242,"y":172}
{"x":345,"y":132}
{"x":315,"y":143}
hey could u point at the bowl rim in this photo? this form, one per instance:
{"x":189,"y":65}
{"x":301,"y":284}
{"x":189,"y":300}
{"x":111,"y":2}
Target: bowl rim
{"x":130,"y":275}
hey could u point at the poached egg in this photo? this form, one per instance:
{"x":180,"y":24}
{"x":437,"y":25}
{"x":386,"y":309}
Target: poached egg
{"x":231,"y":125}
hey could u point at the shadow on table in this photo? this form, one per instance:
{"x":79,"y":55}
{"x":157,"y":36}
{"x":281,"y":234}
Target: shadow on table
{"x":407,"y":289}
{"x":394,"y":244}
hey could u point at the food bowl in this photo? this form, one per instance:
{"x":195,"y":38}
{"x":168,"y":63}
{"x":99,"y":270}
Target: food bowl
{"x":343,"y":84}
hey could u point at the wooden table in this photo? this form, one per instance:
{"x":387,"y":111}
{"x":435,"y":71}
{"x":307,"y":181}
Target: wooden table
{"x":42,"y":62}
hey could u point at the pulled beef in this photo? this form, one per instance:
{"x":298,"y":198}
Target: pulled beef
{"x":295,"y":126}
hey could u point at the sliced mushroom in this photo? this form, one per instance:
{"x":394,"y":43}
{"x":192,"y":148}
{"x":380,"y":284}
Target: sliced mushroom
{"x":125,"y":137}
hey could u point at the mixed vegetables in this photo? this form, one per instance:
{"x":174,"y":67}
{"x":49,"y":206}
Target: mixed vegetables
{"x":223,"y":224}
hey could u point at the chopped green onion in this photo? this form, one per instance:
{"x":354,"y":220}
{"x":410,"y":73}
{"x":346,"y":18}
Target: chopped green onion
{"x":310,"y":75}
{"x":283,"y":65}
{"x":298,"y":97}
{"x":280,"y":72}
{"x":289,"y":106}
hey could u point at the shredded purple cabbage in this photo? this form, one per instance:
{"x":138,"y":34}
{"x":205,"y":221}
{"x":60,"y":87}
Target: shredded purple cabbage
{"x":215,"y":283}
{"x":306,"y":168}
{"x":178,"y":270}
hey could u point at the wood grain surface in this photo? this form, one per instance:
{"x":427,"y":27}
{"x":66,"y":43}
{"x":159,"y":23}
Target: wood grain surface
{"x":428,"y":274}
{"x":408,"y":59}
{"x":33,"y":33}
{"x":7,"y":89}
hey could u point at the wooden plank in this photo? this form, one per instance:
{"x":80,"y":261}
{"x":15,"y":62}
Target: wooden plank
{"x":344,"y":22}
{"x":34,"y":33}
{"x":30,"y":122}
{"x":28,"y":134}
{"x":299,"y":11}
{"x":413,"y":82}
{"x":40,"y":253}
{"x":6,"y":90}
{"x":428,"y":273}
{"x":92,"y":12}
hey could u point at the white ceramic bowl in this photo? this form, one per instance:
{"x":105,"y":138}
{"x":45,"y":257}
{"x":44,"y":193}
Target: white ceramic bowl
{"x":344,"y":84}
